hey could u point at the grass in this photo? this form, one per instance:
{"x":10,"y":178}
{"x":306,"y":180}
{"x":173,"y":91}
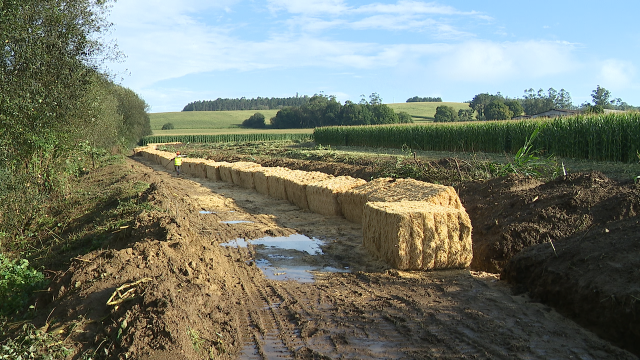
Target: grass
{"x":205,"y":119}
{"x":424,"y":112}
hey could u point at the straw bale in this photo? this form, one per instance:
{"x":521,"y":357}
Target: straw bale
{"x":322,"y":196}
{"x":414,"y":190}
{"x":275,"y":183}
{"x":295,"y":183}
{"x":417,"y":235}
{"x":352,"y":200}
{"x":213,"y":170}
{"x":201,"y":170}
{"x":237,"y":176}
{"x":225,"y":172}
{"x":260,"y":180}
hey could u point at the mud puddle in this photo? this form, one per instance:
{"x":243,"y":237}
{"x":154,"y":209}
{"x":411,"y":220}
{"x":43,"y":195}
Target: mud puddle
{"x":295,"y":257}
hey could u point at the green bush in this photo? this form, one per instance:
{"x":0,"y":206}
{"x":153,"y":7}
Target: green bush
{"x":168,"y":126}
{"x":18,"y":281}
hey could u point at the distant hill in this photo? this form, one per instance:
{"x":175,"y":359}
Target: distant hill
{"x":424,"y":111}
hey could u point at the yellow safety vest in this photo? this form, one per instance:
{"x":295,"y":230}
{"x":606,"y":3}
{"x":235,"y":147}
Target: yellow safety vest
{"x":177,"y":161}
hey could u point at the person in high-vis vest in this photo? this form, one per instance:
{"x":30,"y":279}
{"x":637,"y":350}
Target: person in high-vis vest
{"x":177,"y":162}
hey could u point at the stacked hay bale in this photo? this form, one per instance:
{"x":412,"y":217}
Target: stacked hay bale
{"x":225,"y":172}
{"x":417,"y":235}
{"x":260,"y":178}
{"x":414,"y":190}
{"x":276,"y":184}
{"x":213,"y":170}
{"x":295,"y":183}
{"x":352,"y":200}
{"x":201,"y":169}
{"x":322,"y":196}
{"x":242,"y":174}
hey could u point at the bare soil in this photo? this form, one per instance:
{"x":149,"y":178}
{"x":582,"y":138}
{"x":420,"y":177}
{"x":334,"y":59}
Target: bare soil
{"x":176,"y":293}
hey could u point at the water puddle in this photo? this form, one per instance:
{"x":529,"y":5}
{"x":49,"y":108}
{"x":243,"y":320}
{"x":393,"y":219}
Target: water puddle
{"x":236,"y":222}
{"x":295,"y":257}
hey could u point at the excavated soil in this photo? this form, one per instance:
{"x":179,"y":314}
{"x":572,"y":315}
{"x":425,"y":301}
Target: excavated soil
{"x":175,"y":292}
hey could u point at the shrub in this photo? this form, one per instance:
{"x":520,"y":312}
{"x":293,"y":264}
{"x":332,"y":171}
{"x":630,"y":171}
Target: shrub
{"x":168,"y":126}
{"x":445,"y":114}
{"x":17,"y":283}
{"x":255,"y":121}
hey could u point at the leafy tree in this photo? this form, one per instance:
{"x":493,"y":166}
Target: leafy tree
{"x":404,"y":117}
{"x":465,"y":115}
{"x":480,"y":101}
{"x":424,"y":99}
{"x":514,"y":106}
{"x":445,"y":114}
{"x":497,"y":110}
{"x":255,"y":121}
{"x":536,"y":102}
{"x":258,"y":103}
{"x":288,"y":118}
{"x":169,"y":126}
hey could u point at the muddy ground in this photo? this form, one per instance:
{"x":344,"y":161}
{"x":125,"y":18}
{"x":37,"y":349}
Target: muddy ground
{"x":176,"y":293}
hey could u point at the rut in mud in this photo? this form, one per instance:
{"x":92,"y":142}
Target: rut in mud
{"x":200,"y":299}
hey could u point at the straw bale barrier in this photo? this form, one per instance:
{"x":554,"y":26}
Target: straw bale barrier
{"x":275,"y":183}
{"x":295,"y":183}
{"x":414,"y":190}
{"x":213,"y":170}
{"x":201,"y":170}
{"x":322,"y":196}
{"x":352,"y":200}
{"x":225,"y":172}
{"x":260,"y":178}
{"x":242,"y":174}
{"x":417,"y":235}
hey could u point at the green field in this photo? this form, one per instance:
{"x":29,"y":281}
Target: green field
{"x":228,"y":122}
{"x":205,"y":119}
{"x":424,"y":111}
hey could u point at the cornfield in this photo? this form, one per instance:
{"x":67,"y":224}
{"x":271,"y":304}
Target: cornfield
{"x":610,"y":137}
{"x":223,"y":138}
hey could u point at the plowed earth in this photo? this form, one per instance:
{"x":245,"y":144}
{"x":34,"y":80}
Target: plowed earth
{"x":184,"y":296}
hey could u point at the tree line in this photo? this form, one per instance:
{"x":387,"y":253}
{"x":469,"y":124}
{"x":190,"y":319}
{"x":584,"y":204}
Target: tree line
{"x":57,"y":108}
{"x":259,"y":103}
{"x":325,"y":110}
{"x":486,"y":106}
{"x":424,"y":99}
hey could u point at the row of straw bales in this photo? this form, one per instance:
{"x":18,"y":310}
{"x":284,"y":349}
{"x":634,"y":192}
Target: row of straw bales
{"x":410,"y":224}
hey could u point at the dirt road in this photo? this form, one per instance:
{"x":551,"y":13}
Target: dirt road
{"x":201,"y":293}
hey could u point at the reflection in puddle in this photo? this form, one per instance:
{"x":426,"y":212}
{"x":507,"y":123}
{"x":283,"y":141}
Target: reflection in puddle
{"x":236,"y":222}
{"x":294,"y":257}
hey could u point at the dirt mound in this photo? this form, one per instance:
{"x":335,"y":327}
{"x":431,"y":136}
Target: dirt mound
{"x":513,"y":213}
{"x":593,"y":277}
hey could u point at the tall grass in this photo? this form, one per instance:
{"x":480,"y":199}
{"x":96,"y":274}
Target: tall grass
{"x":610,"y":137}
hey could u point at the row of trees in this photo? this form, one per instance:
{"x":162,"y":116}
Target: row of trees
{"x":424,"y":99}
{"x":323,"y":110}
{"x":243,"y":103}
{"x":56,"y":106}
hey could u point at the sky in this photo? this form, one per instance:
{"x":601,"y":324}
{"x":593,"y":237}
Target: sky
{"x":180,"y":51}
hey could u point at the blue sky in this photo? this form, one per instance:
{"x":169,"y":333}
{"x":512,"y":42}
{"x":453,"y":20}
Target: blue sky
{"x":182,"y":51}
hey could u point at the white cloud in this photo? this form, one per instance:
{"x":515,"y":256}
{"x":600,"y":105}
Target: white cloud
{"x":308,"y":6}
{"x":486,"y":61}
{"x":412,"y":7}
{"x":617,"y":74}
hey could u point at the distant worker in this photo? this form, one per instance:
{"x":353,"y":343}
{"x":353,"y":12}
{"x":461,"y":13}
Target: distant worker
{"x":177,"y":162}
